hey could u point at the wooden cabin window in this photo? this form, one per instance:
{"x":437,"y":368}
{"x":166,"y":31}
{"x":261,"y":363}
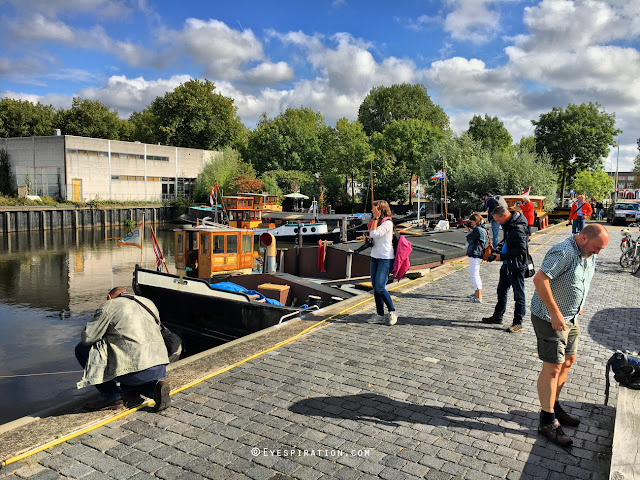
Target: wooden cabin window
{"x":205,"y":244}
{"x":180,"y":246}
{"x":218,"y":244}
{"x":232,"y":244}
{"x":246,"y":243}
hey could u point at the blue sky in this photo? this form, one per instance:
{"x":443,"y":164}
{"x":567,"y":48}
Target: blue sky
{"x":506,"y":58}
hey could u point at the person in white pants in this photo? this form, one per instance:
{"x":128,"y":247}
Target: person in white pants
{"x":477,"y":240}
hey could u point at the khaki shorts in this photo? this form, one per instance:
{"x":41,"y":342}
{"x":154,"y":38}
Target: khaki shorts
{"x":553,"y":345}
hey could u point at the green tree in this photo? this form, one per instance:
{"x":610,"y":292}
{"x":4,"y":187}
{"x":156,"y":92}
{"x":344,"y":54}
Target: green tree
{"x":636,"y":171}
{"x":294,"y":140}
{"x":576,"y":138}
{"x":221,"y":168}
{"x":384,"y":105}
{"x":390,"y":179}
{"x":409,"y":141}
{"x":349,"y":152}
{"x":191,"y":116}
{"x":87,"y":118}
{"x":527,"y":144}
{"x":597,"y":183}
{"x":22,"y":118}
{"x":490,"y":132}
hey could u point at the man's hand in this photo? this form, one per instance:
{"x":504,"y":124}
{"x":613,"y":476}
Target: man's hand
{"x":557,"y":322}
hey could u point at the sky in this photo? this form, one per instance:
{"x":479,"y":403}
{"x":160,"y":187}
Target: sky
{"x":513,"y":59}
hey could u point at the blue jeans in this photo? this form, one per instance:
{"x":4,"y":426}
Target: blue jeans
{"x":507,"y":280}
{"x":141,"y":383}
{"x":577,"y":225}
{"x":495,"y":230}
{"x":380,"y":269}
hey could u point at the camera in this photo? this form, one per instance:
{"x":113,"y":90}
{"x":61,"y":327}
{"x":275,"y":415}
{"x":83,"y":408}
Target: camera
{"x":491,"y":258}
{"x":468,"y":224}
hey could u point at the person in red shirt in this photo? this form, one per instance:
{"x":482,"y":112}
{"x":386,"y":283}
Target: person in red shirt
{"x":527,"y":211}
{"x":580,"y":211}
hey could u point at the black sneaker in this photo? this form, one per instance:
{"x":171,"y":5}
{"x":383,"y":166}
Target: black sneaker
{"x":161,"y":396}
{"x":492,"y":320}
{"x":564,"y":418}
{"x":132,"y":400}
{"x":553,"y":431}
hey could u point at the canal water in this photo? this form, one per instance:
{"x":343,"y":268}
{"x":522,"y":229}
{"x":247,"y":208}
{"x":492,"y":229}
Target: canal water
{"x":50,"y":284}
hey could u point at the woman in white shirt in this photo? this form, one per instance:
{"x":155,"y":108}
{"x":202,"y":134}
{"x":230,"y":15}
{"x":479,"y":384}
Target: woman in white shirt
{"x":382,"y":256}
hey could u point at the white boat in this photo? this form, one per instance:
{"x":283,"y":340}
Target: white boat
{"x":290,"y":230}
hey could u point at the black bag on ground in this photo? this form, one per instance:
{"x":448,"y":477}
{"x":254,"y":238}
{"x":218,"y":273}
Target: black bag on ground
{"x":171,"y":340}
{"x":626,"y":371}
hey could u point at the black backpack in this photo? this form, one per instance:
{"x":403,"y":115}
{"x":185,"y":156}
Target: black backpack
{"x":626,"y":371}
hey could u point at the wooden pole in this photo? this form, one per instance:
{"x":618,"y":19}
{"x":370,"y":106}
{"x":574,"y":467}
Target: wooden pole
{"x":444,"y":176}
{"x":155,"y":239}
{"x":371,"y":170}
{"x":142,"y":241}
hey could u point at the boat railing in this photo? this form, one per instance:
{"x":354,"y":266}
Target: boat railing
{"x":299,"y":312}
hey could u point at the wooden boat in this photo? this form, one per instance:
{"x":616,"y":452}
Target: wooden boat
{"x":206,"y":313}
{"x":264,"y":201}
{"x":541,"y":215}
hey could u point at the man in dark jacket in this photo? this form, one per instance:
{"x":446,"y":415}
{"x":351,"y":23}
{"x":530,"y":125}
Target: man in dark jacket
{"x":512,"y":251}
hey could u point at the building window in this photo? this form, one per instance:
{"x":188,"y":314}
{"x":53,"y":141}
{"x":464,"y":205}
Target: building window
{"x":115,"y":177}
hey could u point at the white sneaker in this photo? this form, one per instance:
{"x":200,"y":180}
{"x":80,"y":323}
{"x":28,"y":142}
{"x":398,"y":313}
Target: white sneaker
{"x":375,"y":318}
{"x":393,"y":318}
{"x":474,"y":299}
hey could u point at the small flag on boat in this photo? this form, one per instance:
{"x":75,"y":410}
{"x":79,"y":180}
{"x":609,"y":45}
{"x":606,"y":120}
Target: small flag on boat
{"x":211,"y":198}
{"x":158,"y":252}
{"x":133,"y":238}
{"x":526,"y":192}
{"x":439,"y":174}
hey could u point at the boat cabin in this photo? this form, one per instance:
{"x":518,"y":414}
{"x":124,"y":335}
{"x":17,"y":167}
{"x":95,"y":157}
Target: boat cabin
{"x":241,"y":212}
{"x":541,"y":216}
{"x":204,"y":251}
{"x":264,"y":201}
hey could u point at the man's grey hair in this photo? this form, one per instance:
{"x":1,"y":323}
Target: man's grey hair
{"x":500,"y":210}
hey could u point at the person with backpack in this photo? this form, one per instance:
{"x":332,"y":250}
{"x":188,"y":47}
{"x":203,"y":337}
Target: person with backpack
{"x":477,"y":242}
{"x":382,"y":257}
{"x":561,"y":287}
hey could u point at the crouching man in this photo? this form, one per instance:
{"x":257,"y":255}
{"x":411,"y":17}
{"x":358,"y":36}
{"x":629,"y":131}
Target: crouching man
{"x":122,"y":343}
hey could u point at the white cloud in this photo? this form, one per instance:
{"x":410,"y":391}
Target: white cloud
{"x":222,"y":50}
{"x":131,"y":94}
{"x":37,"y":27}
{"x":57,"y":100}
{"x":268,"y":73}
{"x":106,"y":8}
{"x":471,"y":20}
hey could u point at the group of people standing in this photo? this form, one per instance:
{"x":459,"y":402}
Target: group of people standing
{"x":561,"y":286}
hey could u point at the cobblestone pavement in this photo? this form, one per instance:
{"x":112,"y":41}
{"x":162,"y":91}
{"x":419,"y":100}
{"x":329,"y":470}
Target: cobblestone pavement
{"x":439,"y":395}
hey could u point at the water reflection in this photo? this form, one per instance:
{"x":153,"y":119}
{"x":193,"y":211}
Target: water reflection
{"x":50,"y":284}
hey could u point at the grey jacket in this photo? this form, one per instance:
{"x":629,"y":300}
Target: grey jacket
{"x":124,"y":338}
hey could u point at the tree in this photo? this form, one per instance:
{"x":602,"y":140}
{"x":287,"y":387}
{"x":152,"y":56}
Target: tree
{"x":349,"y":152}
{"x":597,"y":183}
{"x":22,"y":118}
{"x":191,"y":116}
{"x":576,"y":138}
{"x":221,"y":168}
{"x":294,"y":140}
{"x":636,"y":171}
{"x":527,"y":144}
{"x":244,"y":180}
{"x":409,"y":141}
{"x":490,"y":132}
{"x":87,"y":118}
{"x":384,"y":105}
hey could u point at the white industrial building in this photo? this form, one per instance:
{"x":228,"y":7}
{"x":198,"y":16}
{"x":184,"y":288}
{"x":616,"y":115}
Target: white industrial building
{"x":81,"y":169}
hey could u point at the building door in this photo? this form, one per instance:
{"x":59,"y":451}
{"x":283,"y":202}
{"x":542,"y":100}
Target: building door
{"x":77,"y":190}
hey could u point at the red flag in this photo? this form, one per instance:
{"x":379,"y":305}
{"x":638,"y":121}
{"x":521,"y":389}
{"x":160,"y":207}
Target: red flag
{"x":156,"y":249}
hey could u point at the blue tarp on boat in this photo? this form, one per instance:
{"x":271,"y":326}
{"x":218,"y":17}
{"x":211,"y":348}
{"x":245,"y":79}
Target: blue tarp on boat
{"x":233,"y":287}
